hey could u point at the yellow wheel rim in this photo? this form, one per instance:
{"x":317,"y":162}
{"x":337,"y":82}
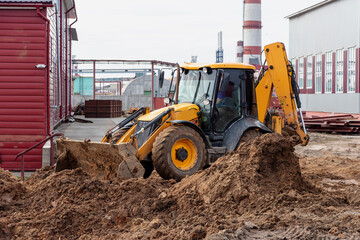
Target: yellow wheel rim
{"x":184,"y":154}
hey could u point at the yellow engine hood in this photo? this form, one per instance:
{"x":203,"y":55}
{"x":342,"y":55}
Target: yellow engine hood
{"x":183,"y":111}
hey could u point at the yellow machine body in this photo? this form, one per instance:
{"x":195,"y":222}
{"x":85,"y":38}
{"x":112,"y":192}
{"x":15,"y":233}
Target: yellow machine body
{"x":145,"y":130}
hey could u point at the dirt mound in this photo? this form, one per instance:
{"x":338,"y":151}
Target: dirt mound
{"x":39,"y":175}
{"x":267,"y":165}
{"x":70,"y":204}
{"x":10,"y":187}
{"x":253,"y":192}
{"x":10,"y":190}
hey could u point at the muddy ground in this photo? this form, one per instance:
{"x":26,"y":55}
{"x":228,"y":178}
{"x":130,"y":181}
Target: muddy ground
{"x":263,"y":191}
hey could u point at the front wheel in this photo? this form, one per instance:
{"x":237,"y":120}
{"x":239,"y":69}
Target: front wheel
{"x":178,"y":151}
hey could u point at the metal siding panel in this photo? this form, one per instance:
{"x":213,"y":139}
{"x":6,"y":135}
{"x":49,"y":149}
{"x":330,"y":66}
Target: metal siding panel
{"x":333,"y":72}
{"x":14,"y":19}
{"x":18,"y":13}
{"x":19,"y":39}
{"x":22,"y":92}
{"x":18,"y":131}
{"x":15,"y":151}
{"x":23,"y":59}
{"x":28,"y":46}
{"x":22,"y":86}
{"x":27,"y":1}
{"x":33,"y":72}
{"x":21,"y":138}
{"x":22,"y":79}
{"x":22,"y":145}
{"x":323,"y":74}
{"x":18,"y":66}
{"x":12,"y":85}
{"x":8,"y":163}
{"x":22,"y":105}
{"x":21,"y":53}
{"x":357,"y":79}
{"x":13,"y":99}
{"x":20,"y":112}
{"x":21,"y":118}
{"x":345,"y":72}
{"x":22,"y":26}
{"x":22,"y":33}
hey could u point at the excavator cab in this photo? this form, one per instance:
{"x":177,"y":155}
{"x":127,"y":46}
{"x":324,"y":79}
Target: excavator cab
{"x":224,"y":93}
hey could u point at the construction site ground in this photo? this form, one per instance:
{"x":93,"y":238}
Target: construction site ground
{"x":94,"y":131}
{"x":265,"y":190}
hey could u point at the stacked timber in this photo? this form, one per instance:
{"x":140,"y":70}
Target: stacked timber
{"x":345,"y":123}
{"x":103,"y":108}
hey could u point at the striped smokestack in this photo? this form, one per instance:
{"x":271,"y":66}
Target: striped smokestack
{"x":252,"y":31}
{"x":239,"y":51}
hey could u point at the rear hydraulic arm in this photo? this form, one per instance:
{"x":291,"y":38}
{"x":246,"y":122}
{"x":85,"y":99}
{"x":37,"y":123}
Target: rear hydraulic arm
{"x":280,"y":76}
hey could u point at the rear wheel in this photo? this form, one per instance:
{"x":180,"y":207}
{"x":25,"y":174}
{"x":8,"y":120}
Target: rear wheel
{"x":178,"y":151}
{"x":249,"y":135}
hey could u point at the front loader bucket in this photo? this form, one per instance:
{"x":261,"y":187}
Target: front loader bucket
{"x":100,"y":160}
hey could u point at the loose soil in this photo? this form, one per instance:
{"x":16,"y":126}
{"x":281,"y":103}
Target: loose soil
{"x":261,"y":191}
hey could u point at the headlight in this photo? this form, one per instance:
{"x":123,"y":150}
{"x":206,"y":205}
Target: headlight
{"x":167,"y":100}
{"x":207,"y":70}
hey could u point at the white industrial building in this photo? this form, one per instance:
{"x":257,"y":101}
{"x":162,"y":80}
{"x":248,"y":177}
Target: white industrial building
{"x":324,"y":47}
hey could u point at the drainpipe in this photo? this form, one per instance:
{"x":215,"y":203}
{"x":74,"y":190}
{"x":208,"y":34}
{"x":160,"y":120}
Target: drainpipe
{"x":68,"y":87}
{"x":61,"y":58}
{"x":76,"y":19}
{"x":47,"y":80}
{"x":66,"y":67}
{"x":48,"y":67}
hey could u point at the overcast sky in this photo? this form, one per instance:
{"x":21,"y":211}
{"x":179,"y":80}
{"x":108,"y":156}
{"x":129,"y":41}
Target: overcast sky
{"x":172,"y":30}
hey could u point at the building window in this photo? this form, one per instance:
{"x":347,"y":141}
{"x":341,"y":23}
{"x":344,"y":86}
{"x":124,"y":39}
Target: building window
{"x":339,"y":71}
{"x":351,"y":70}
{"x":309,"y":72}
{"x":301,"y":73}
{"x":318,"y":73}
{"x":328,"y":72}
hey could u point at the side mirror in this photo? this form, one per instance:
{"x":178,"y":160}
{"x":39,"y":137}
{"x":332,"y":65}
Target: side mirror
{"x":161,"y":79}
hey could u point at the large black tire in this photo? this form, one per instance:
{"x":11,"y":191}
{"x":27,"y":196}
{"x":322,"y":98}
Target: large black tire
{"x":178,"y":151}
{"x":118,"y":134}
{"x":248,"y":136}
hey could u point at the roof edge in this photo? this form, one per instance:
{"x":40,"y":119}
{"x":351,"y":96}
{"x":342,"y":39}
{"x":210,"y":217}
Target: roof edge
{"x":308,"y":9}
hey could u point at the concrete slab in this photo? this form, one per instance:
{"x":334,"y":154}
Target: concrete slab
{"x":46,"y":154}
{"x":94,"y":131}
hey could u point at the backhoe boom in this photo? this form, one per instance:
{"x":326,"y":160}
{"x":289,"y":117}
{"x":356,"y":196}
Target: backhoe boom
{"x":279,"y":76}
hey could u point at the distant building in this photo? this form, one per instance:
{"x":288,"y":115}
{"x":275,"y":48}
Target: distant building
{"x":137,"y":93}
{"x":35,"y":65}
{"x":83,"y":86}
{"x":324,"y":48}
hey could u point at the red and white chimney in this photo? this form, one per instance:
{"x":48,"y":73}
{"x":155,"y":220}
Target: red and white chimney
{"x":252,"y":31}
{"x":239,"y":51}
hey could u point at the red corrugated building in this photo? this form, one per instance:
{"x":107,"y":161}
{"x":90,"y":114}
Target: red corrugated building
{"x":35,"y":70}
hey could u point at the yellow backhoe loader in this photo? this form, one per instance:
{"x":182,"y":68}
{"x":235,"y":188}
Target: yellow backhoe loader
{"x":215,"y":107}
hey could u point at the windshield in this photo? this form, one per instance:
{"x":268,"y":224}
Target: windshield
{"x":195,"y":86}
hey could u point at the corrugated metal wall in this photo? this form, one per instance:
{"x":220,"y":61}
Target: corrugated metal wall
{"x":22,"y":86}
